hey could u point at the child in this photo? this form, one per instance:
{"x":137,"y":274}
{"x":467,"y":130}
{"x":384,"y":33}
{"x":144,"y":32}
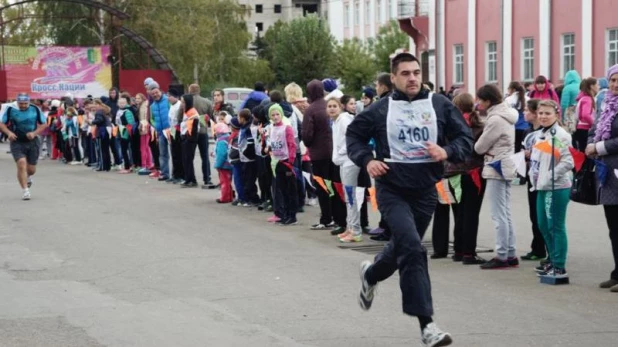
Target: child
{"x":70,"y":133}
{"x":551,"y":175}
{"x":234,"y":159}
{"x":126,"y":122}
{"x":246,"y":146}
{"x":336,"y":204}
{"x":223,"y":166}
{"x":537,"y":252}
{"x":349,"y":171}
{"x":282,"y":149}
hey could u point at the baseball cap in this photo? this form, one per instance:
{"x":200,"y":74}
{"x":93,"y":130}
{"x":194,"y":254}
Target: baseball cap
{"x":23,"y":97}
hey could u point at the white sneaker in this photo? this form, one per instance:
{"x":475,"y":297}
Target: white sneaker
{"x":75,"y":163}
{"x":367,"y":292}
{"x":312,"y":202}
{"x":26,"y":195}
{"x":432,"y":336}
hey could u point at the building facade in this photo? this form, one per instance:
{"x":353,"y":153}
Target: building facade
{"x":497,"y":41}
{"x":264,"y":13}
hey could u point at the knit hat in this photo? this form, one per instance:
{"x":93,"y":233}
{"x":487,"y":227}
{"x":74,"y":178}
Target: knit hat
{"x":221,"y":128}
{"x":153,"y":85}
{"x":174,"y":93}
{"x":148,"y":81}
{"x":329,"y":84}
{"x":368,"y":92}
{"x":275,"y":107}
{"x":235,"y":123}
{"x":603,"y":84}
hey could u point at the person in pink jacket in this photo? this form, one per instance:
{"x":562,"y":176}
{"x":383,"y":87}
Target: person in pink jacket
{"x":586,"y":109}
{"x":543,"y":90}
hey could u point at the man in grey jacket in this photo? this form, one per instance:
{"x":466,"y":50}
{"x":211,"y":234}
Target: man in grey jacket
{"x":204,"y":107}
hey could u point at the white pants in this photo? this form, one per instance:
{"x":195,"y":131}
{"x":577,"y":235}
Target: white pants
{"x":499,"y":194}
{"x":349,"y":178}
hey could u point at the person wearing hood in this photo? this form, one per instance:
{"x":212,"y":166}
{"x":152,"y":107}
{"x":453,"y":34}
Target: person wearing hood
{"x":159,"y":119}
{"x":255,"y":98}
{"x":543,"y":91}
{"x":497,"y":144}
{"x":126,"y":122}
{"x":282,"y":150}
{"x":318,"y":137}
{"x":176,"y":116}
{"x":331,"y":89}
{"x":568,"y":97}
{"x":585,"y":111}
{"x":189,"y":132}
{"x":415,"y":131}
{"x":603,"y":88}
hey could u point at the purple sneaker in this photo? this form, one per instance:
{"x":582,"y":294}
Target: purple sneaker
{"x":376,"y":231}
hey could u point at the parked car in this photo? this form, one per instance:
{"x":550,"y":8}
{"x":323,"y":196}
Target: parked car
{"x":235,"y":96}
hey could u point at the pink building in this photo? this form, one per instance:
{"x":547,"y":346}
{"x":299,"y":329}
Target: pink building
{"x":474,"y":42}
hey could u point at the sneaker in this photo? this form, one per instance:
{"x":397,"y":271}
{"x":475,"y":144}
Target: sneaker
{"x":543,"y":270}
{"x":269,"y":208}
{"x":208,"y":185}
{"x":531,"y":256}
{"x":154,"y":174}
{"x":162,"y":178}
{"x":473,"y":260}
{"x":26,"y":195}
{"x":381,"y":237}
{"x":169,"y":180}
{"x":457,"y":257}
{"x":144,"y":172}
{"x":237,"y":203}
{"x":513,"y":262}
{"x":432,"y":336}
{"x":219,"y":201}
{"x":614,"y":289}
{"x":311,"y":202}
{"x":29,"y":182}
{"x":555,"y":272}
{"x":273,"y":219}
{"x":495,"y":264}
{"x":290,"y":221}
{"x":376,"y":231}
{"x":350,"y":238}
{"x":75,"y":162}
{"x":438,"y":256}
{"x":608,"y":284}
{"x":116,"y":168}
{"x":367,"y":291}
{"x":124,"y":172}
{"x":366,"y":230}
{"x":177,"y":181}
{"x":338,"y":231}
{"x":331,"y":225}
{"x":319,"y":226}
{"x":185,"y":185}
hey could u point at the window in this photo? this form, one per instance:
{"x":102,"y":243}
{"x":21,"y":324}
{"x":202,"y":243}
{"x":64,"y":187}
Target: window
{"x":491,"y":68}
{"x":259,"y":27}
{"x":277,"y":8}
{"x":568,"y":53}
{"x":459,"y":64}
{"x":367,"y":13}
{"x":346,"y":16}
{"x":379,"y":11}
{"x":258,"y":9}
{"x":612,"y":47}
{"x":527,"y":61}
{"x":388,"y":9}
{"x":356,"y":13}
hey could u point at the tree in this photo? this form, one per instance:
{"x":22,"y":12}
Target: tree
{"x":354,"y":65}
{"x":303,"y":50}
{"x":390,"y":38}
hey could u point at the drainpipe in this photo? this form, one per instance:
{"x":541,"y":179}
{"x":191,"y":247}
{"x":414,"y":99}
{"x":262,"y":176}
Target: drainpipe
{"x":502,"y":43}
{"x":551,"y":44}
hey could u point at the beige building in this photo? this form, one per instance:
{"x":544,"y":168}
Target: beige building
{"x":264,"y":13}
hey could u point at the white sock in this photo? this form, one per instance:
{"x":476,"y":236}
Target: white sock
{"x":26,"y":190}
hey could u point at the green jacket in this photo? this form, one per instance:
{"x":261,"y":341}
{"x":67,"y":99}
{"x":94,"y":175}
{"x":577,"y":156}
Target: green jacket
{"x":570,"y":91}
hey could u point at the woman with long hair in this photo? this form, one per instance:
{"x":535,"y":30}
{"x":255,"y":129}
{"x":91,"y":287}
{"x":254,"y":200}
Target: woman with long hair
{"x":603,"y":144}
{"x":497,"y":144}
{"x":144,"y":134}
{"x":586,"y":111}
{"x":517,"y":99}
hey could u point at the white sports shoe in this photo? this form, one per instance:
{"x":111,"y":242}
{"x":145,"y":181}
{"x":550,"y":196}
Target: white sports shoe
{"x":26,"y":195}
{"x":432,"y":336}
{"x":367,"y":292}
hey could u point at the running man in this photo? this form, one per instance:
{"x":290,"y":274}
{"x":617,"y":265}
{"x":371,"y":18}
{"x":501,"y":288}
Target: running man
{"x":26,"y":123}
{"x":415,"y":131}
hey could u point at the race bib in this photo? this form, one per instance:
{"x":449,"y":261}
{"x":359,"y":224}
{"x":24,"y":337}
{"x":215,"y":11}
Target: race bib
{"x":278,"y":143}
{"x":410,"y":125}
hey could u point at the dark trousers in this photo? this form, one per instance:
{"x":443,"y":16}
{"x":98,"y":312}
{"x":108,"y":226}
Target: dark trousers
{"x":125,"y":144}
{"x":300,"y":180}
{"x":331,"y":207}
{"x":154,"y":149}
{"x":249,"y":177}
{"x":135,"y":150}
{"x":188,"y":155}
{"x":265,"y":178}
{"x":311,"y":192}
{"x":238,"y":183}
{"x":106,"y":160}
{"x":580,"y":140}
{"x":611,"y":215}
{"x":441,"y":228}
{"x":408,"y":214}
{"x":538,"y":243}
{"x":178,"y":171}
{"x":286,"y":188}
{"x":77,"y":154}
{"x":467,"y":216}
{"x":202,"y":144}
{"x":338,"y":208}
{"x":85,"y":142}
{"x":92,"y":150}
{"x":114,"y":147}
{"x":519,"y":138}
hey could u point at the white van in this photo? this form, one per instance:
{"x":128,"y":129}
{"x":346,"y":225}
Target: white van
{"x":235,"y":96}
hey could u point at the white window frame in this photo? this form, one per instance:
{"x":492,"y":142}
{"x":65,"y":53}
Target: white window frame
{"x":379,"y":11}
{"x":356,"y":13}
{"x":563,"y":54}
{"x":527,"y":56}
{"x":389,"y":9}
{"x":458,"y":64}
{"x":609,"y":49}
{"x":367,"y":12}
{"x":491,"y":62}
{"x":346,"y":16}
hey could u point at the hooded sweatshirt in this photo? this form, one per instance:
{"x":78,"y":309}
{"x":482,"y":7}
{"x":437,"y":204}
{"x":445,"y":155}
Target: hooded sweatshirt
{"x":113,"y":105}
{"x":340,"y":153}
{"x":254,"y":99}
{"x":317,"y":133}
{"x":570,"y":90}
{"x":585,"y":105}
{"x":497,"y":141}
{"x":546,"y":94}
{"x":603,"y":88}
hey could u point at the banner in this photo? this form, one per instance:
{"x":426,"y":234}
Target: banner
{"x":57,"y":71}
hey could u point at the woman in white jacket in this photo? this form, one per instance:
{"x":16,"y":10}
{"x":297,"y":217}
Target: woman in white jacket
{"x":349,"y":171}
{"x":497,"y":145}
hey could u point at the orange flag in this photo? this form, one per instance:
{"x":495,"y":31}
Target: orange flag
{"x":545,"y":147}
{"x":320,"y":181}
{"x":373,"y":198}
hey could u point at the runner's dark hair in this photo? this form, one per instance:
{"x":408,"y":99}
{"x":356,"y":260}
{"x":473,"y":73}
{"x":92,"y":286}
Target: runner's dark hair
{"x":402,"y":58}
{"x":385,"y":80}
{"x":491,"y":93}
{"x":521,"y":95}
{"x":465,"y":103}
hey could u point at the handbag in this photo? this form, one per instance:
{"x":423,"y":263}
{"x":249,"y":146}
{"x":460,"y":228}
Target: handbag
{"x":585,"y":189}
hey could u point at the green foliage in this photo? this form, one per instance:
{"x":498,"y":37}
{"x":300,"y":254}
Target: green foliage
{"x":354,"y":65}
{"x":248,"y":71}
{"x":390,"y":38}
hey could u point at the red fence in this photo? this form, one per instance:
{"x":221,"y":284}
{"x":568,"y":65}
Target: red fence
{"x":133,"y":80}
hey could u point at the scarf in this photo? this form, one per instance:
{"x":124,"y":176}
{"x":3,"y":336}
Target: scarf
{"x":604,"y":126}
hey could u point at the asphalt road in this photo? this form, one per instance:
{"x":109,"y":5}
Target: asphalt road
{"x":101,"y":259}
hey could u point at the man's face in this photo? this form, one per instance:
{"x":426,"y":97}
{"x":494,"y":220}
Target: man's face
{"x":156,"y":94}
{"x":218,"y":97}
{"x":112,"y":93}
{"x":408,"y":78}
{"x":23,"y":105}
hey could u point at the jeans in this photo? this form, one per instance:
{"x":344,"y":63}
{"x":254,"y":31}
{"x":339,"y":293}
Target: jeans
{"x":499,"y":194}
{"x":408,"y":214}
{"x":125,"y":145}
{"x":349,"y":179}
{"x":551,"y":210}
{"x":116,"y":151}
{"x":202,"y":144}
{"x":164,"y":156}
